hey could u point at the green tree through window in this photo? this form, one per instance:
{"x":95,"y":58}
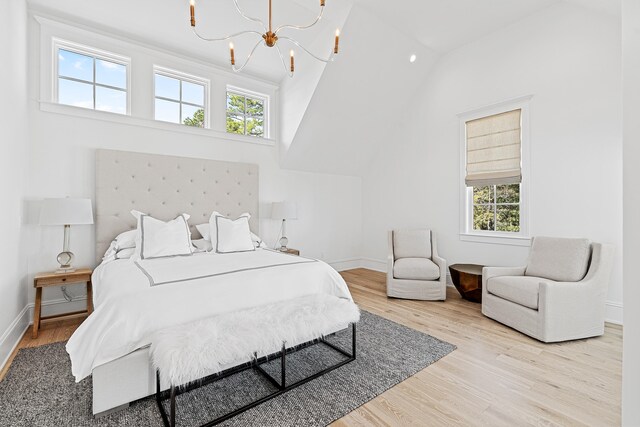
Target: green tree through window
{"x":245,"y":115}
{"x":196,"y":120}
{"x":497,"y":208}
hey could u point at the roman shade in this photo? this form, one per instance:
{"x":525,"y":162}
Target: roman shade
{"x":494,"y":150}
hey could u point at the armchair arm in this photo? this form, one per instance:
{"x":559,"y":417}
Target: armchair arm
{"x":390,"y":257}
{"x":580,"y":302}
{"x":440,"y":262}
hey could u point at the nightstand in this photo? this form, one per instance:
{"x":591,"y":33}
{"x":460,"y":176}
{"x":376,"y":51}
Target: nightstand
{"x":291,"y":251}
{"x":44,"y":280}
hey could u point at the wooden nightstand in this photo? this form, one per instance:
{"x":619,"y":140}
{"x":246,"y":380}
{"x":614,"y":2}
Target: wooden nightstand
{"x":44,"y":280}
{"x":291,"y":251}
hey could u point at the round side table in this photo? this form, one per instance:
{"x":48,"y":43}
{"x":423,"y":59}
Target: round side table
{"x":467,"y":279}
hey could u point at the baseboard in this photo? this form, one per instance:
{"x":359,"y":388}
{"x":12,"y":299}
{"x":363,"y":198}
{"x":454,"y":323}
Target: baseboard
{"x":12,"y":336}
{"x":613,"y":309}
{"x":59,"y":306}
{"x":613,"y":312}
{"x":345,"y":264}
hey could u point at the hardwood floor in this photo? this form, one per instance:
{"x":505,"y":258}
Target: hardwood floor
{"x":496,"y":377}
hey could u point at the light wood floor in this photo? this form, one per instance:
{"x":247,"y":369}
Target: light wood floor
{"x":496,"y":377}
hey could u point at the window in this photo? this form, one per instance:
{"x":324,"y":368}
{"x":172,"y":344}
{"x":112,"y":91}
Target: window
{"x":88,"y":79}
{"x":180,"y":98}
{"x":493,"y":175}
{"x":246,"y":113}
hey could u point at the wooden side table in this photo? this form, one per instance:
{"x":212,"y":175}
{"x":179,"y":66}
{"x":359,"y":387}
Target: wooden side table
{"x":44,"y":280}
{"x":467,"y":279}
{"x":291,"y":251}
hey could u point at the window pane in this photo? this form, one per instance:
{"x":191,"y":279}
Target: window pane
{"x":110,"y":73}
{"x":483,"y":218}
{"x":482,"y":195}
{"x":255,"y":126}
{"x":193,"y":93}
{"x":235,"y":103}
{"x":255,"y":107}
{"x":235,"y":124}
{"x":192,"y":116}
{"x":167,"y":111}
{"x":167,"y":87}
{"x":75,"y":65}
{"x":111,"y":100}
{"x":75,"y":93}
{"x":508,"y":193}
{"x":508,"y":218}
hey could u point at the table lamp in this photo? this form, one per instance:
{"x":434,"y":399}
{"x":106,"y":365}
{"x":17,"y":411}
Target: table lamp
{"x":66,"y":212}
{"x":283,"y":211}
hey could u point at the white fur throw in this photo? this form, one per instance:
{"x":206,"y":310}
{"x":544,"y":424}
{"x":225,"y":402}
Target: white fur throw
{"x":191,"y":351}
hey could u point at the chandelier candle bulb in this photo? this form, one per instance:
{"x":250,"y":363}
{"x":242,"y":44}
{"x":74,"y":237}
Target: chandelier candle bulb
{"x":335,"y":48}
{"x":233,"y":58}
{"x":291,"y":53}
{"x":192,"y":8}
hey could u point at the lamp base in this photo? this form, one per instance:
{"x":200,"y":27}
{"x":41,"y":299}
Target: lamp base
{"x":65,"y":259}
{"x":283,"y":244}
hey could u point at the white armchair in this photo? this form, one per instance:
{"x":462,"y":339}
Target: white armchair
{"x":414,"y":269}
{"x":560,"y":294}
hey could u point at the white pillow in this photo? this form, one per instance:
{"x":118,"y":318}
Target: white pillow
{"x":122,"y":246}
{"x":230,"y":235}
{"x":202,"y":245}
{"x":158,"y":239}
{"x":204,"y":230}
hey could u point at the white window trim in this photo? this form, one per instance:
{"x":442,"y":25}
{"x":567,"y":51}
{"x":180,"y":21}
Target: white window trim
{"x":467,"y":233}
{"x":93,"y":52}
{"x":167,"y":72}
{"x":255,"y":95}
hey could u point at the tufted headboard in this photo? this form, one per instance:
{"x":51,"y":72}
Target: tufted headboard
{"x":164,"y":187}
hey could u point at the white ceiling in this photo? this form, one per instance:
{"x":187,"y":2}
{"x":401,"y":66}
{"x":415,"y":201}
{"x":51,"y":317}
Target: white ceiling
{"x":441,"y":25}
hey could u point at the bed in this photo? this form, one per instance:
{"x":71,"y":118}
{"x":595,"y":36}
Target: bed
{"x":133,"y":299}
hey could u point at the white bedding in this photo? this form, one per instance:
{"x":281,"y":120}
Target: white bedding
{"x":132,"y":301}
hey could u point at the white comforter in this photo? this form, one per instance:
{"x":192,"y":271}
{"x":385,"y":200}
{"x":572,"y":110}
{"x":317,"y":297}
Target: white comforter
{"x":133,"y":300}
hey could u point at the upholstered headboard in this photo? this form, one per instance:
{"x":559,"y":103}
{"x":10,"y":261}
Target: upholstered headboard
{"x":165,"y":186}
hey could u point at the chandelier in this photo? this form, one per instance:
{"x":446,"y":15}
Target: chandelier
{"x":268,"y":38}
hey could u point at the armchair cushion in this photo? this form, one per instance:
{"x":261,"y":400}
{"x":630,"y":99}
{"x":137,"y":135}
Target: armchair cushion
{"x":415,"y":269}
{"x":412,"y":243}
{"x":522,"y":290}
{"x":559,"y":259}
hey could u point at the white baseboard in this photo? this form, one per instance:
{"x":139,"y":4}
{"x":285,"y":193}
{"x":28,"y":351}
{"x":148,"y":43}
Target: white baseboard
{"x":345,"y":264}
{"x":12,"y":336}
{"x":613,"y":309}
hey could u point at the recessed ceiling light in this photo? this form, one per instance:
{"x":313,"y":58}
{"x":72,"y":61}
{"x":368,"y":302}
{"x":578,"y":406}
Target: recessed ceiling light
{"x":412,"y":58}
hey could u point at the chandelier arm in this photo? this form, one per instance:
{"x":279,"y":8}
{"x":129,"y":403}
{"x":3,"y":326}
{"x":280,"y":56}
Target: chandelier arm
{"x":326,"y":61}
{"x":238,"y":69}
{"x":249,"y":18}
{"x":303,"y":27}
{"x":241,"y":33}
{"x":284,"y":64}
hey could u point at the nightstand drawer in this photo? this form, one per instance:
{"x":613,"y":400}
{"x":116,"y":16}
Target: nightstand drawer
{"x":48,"y":281}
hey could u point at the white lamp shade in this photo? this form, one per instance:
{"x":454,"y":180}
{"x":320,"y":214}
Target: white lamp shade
{"x":284,"y":210}
{"x":66,"y":211}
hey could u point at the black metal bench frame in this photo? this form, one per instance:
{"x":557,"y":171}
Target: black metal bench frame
{"x":281,"y":386}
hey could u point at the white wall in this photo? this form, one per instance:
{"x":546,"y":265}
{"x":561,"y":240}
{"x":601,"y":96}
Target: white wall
{"x":631,"y":149}
{"x":568,"y":58}
{"x":63,"y":145}
{"x":13,"y":155}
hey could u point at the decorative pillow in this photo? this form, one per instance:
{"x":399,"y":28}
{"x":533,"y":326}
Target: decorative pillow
{"x":559,"y":259}
{"x":158,"y":239}
{"x":229,"y":235}
{"x":204,"y":230}
{"x":202,"y":245}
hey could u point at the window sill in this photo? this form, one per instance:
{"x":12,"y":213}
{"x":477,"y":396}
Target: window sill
{"x":496,"y":239}
{"x":52,"y":107}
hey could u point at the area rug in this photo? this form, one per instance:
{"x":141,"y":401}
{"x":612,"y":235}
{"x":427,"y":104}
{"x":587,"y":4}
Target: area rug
{"x":40,"y":390}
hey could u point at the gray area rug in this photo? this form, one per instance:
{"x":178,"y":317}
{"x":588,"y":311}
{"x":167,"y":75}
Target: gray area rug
{"x":39,"y":388}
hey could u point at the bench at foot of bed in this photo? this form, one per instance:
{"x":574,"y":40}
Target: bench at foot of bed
{"x":192,"y":355}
